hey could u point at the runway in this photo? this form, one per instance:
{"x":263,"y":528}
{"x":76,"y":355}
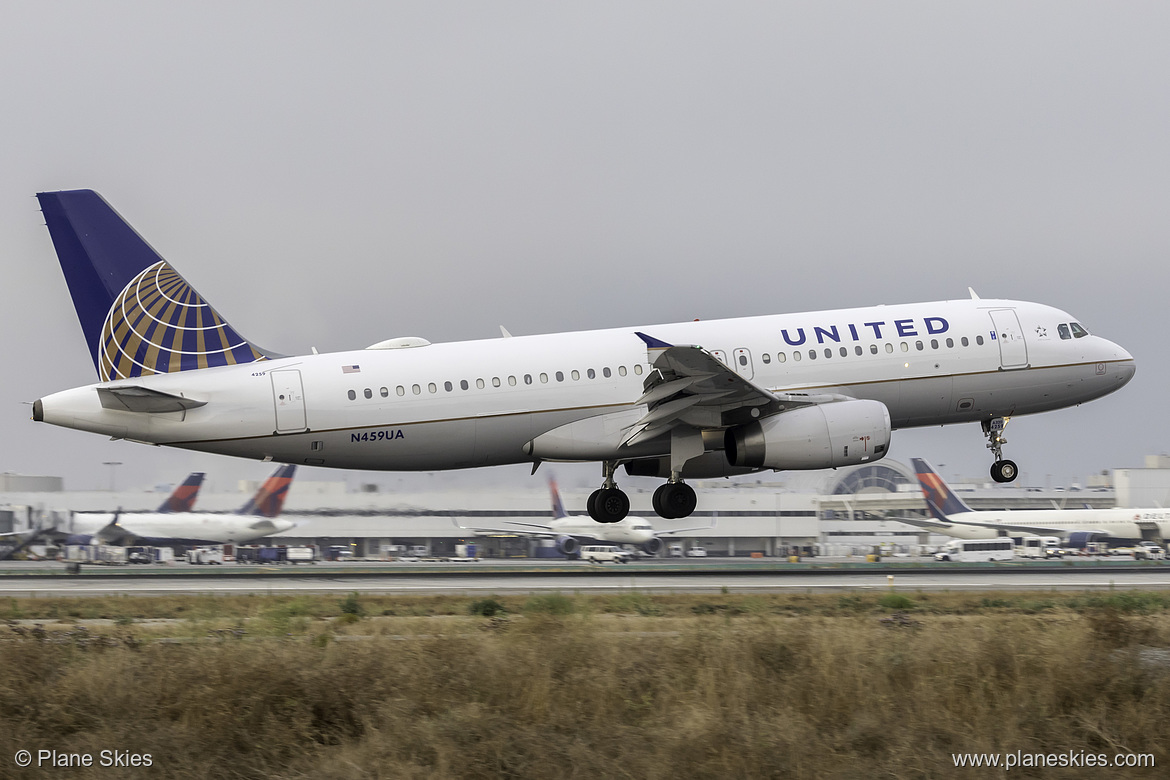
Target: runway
{"x":482,"y":582}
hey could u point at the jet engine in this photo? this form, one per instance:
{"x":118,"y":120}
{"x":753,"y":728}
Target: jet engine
{"x":1080,"y":539}
{"x":842,"y":433}
{"x":653,"y":546}
{"x":568,"y":545}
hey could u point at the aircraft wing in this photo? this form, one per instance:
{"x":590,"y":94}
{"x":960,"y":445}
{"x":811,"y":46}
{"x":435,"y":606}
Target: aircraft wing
{"x":689,"y":386}
{"x":674,"y":531}
{"x":922,"y":522}
{"x":1037,"y":530}
{"x":537,"y":530}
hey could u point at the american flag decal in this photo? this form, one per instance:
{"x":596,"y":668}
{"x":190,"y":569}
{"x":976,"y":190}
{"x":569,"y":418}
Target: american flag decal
{"x":354,"y":369}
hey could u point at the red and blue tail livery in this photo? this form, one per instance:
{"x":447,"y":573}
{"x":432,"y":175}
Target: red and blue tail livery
{"x":939,"y":498}
{"x":183,"y":499}
{"x":269,"y":499}
{"x":139,"y":315}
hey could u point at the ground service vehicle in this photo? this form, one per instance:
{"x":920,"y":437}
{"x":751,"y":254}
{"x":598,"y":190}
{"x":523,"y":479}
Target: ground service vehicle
{"x":598,"y":553}
{"x":976,"y":550}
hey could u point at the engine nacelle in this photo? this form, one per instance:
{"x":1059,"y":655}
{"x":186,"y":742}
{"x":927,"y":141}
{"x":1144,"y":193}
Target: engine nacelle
{"x":1080,"y":539}
{"x":568,"y":545}
{"x":653,"y":546}
{"x":842,"y":433}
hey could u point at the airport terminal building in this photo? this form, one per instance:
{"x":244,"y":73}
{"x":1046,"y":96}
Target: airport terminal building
{"x":834,"y":512}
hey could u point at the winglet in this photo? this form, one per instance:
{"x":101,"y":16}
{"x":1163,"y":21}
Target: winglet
{"x":183,"y":499}
{"x":652,"y":342}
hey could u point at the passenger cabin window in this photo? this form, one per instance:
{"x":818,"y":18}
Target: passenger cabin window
{"x":560,"y":376}
{"x":766,"y":358}
{"x":964,"y":342}
{"x":368,"y":393}
{"x":621,"y":370}
{"x":576,"y":375}
{"x":385,"y":392}
{"x":781,"y":357}
{"x":352,"y":395}
{"x":979,"y":340}
{"x":591,"y":374}
{"x":605,"y":372}
{"x":463,"y":384}
{"x":873,"y":349}
{"x":638,"y":369}
{"x":400,"y":390}
{"x":479,"y":383}
{"x":448,"y":386}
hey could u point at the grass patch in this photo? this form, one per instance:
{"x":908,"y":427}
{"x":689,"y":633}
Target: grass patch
{"x":633,"y":685}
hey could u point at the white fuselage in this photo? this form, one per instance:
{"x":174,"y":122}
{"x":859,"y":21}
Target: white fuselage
{"x":629,"y":530}
{"x":480,"y":403}
{"x":178,"y":527}
{"x":1127,"y":524}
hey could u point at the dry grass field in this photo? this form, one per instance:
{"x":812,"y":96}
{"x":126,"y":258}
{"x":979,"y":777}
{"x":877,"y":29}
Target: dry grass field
{"x":566,"y":686}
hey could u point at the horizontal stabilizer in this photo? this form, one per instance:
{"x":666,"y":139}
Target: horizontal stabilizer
{"x":143,"y":399}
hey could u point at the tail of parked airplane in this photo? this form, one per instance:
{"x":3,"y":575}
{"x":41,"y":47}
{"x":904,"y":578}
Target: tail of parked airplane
{"x":269,"y":499}
{"x":558,"y":506}
{"x":183,"y":499}
{"x":139,"y":315}
{"x":939,"y":497}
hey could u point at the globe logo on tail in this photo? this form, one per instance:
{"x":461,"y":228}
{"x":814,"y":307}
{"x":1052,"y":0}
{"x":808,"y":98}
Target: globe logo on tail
{"x":159,"y":325}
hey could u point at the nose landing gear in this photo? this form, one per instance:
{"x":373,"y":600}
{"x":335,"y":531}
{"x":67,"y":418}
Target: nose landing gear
{"x":1001,"y":470}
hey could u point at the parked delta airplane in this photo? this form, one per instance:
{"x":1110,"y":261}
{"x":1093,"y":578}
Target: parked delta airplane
{"x":691,"y":399}
{"x":571,"y":531}
{"x":1076,"y":527}
{"x":254,"y":520}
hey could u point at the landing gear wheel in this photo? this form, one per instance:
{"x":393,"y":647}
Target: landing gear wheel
{"x":1004,"y":471}
{"x":608,"y":505}
{"x":674,"y":500}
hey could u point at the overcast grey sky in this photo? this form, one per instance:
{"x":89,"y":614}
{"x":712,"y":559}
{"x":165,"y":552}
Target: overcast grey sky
{"x":332,"y":175}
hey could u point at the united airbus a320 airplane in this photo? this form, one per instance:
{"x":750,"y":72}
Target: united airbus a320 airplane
{"x":692,"y":399}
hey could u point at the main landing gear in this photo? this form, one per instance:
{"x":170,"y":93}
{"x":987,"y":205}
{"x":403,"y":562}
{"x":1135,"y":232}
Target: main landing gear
{"x":1002,"y":470}
{"x":609,"y":503}
{"x":674,"y":500}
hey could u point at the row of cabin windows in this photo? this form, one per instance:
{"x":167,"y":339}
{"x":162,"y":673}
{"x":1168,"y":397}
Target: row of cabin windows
{"x":919,"y":346}
{"x":480,"y":384}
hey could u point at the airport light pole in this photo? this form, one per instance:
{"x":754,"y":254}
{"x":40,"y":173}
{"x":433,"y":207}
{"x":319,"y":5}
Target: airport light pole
{"x":113,"y":464}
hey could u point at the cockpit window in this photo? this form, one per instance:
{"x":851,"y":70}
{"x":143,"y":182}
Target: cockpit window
{"x":1062,"y":329}
{"x":1078,"y":331}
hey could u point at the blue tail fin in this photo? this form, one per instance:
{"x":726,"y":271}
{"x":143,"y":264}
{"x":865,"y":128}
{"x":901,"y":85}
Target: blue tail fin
{"x":139,"y":315}
{"x":183,"y":499}
{"x":269,"y":499}
{"x":558,"y":506}
{"x":939,"y":498}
